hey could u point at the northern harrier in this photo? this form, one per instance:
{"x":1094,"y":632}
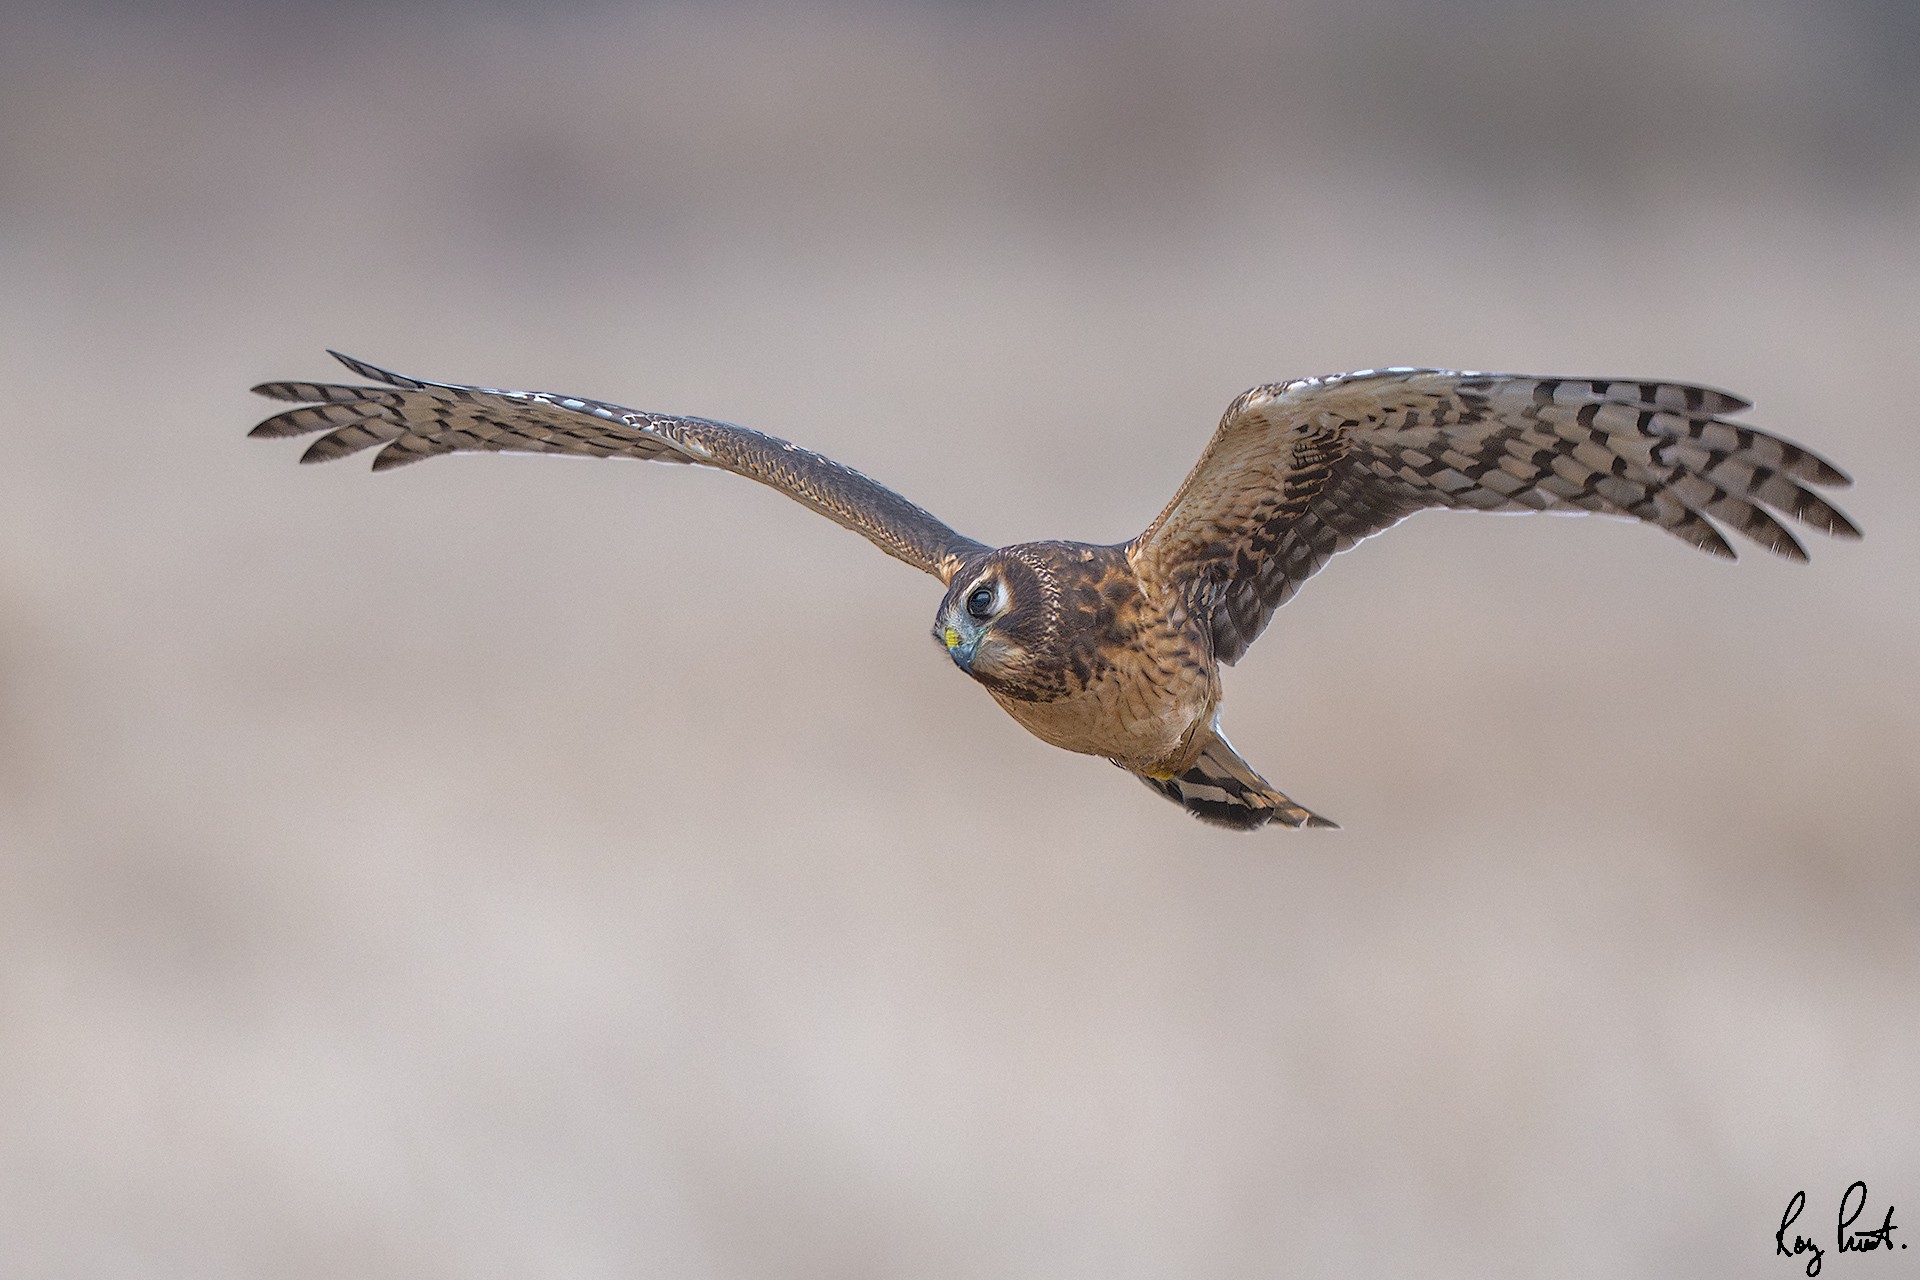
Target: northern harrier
{"x":1115,"y":651}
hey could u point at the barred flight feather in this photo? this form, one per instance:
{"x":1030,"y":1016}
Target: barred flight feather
{"x":413,"y":419}
{"x":1403,"y":440}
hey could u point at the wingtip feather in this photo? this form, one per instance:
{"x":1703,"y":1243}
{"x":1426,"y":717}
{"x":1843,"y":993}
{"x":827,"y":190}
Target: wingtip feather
{"x":293,"y":392}
{"x":376,"y":373}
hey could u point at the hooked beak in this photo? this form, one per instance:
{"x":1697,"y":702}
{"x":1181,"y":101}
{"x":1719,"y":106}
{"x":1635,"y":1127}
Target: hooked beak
{"x":961,"y":651}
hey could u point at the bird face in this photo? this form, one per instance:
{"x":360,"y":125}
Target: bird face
{"x":995,"y":625}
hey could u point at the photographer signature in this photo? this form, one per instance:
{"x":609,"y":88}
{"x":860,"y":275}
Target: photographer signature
{"x":1846,"y":1240}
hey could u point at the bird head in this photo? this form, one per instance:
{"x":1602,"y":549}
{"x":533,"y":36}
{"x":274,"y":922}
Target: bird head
{"x":999,"y":620}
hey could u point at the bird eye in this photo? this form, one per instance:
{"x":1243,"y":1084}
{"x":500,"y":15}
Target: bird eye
{"x":980,"y":603}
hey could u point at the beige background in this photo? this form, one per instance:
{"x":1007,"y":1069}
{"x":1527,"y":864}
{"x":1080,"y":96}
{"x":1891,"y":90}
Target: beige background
{"x":512,"y":867}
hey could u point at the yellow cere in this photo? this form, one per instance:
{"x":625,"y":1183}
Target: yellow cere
{"x":952,"y":638}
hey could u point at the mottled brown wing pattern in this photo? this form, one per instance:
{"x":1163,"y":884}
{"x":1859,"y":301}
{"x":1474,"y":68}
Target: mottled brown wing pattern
{"x":1299,"y":471}
{"x":412,"y":419}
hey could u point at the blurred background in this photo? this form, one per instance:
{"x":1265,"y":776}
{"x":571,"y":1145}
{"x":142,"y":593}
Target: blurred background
{"x":520,"y":867}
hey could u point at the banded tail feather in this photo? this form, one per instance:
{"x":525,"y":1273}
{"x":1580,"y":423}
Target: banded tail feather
{"x":1224,"y":790}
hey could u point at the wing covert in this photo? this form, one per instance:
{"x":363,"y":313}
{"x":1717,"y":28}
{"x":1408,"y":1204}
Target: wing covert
{"x":1302,"y":470}
{"x":412,"y":419}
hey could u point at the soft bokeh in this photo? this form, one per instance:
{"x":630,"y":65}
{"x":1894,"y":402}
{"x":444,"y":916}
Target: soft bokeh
{"x":511,"y":867}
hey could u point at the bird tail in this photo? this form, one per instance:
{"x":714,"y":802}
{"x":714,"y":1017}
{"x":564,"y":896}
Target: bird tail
{"x":1223,"y":789}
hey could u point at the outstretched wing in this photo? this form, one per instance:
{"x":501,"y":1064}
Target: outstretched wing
{"x":1300,"y":470}
{"x":413,"y":419}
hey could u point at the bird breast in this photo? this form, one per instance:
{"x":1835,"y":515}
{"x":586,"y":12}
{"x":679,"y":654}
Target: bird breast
{"x":1137,"y":686}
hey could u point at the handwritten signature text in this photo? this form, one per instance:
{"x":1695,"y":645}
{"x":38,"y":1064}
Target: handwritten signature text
{"x":1845,"y":1238}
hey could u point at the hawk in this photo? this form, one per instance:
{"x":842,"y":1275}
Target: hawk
{"x":1116,"y":651}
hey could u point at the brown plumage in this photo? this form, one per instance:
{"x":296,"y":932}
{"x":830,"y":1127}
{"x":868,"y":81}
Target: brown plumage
{"x":1115,"y":650}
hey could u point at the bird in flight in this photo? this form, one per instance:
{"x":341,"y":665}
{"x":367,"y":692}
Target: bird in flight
{"x":1116,"y":651}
